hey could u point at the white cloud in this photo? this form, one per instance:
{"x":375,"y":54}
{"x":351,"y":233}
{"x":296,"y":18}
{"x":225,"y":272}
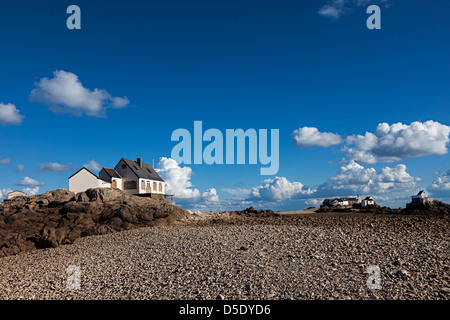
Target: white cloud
{"x":31,"y":191}
{"x":178,"y":183}
{"x":6,"y":161}
{"x":310,"y":136}
{"x":394,"y":142}
{"x":118,"y":102}
{"x":334,"y":9}
{"x":20,"y":167}
{"x":353,"y":178}
{"x":210,"y":195}
{"x":65,"y":93}
{"x":441,"y":183}
{"x":4,"y":193}
{"x":10,"y":115}
{"x":53,"y":167}
{"x":29,"y":182}
{"x":92,"y":166}
{"x":178,"y":179}
{"x":279,"y":189}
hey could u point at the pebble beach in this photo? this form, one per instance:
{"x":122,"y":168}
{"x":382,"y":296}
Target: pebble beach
{"x":308,"y":257}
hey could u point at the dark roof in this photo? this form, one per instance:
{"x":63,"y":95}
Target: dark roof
{"x":421,"y":191}
{"x":84,"y":169}
{"x":112,"y":173}
{"x":146,"y":172}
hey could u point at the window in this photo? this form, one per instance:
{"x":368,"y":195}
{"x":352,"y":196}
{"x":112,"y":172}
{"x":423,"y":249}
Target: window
{"x":128,"y":185}
{"x":154,"y":186}
{"x":160,"y":187}
{"x":124,"y":166}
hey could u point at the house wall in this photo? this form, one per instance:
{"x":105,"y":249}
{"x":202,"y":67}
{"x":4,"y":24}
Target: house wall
{"x":84,"y":180}
{"x":119,"y":183}
{"x":104,"y":176}
{"x":128,"y":177}
{"x":366,"y":203}
{"x":14,"y":194}
{"x":152,"y":190}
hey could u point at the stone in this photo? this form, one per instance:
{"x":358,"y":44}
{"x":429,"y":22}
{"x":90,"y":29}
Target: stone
{"x":402,"y":274}
{"x":445,"y":290}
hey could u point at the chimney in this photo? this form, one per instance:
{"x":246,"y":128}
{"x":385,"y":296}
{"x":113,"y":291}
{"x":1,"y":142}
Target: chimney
{"x":139,"y":161}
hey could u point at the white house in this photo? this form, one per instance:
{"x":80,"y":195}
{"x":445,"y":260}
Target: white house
{"x":16,"y":193}
{"x":132,"y":177}
{"x":84,"y":179}
{"x":368,"y":201}
{"x":421,"y":197}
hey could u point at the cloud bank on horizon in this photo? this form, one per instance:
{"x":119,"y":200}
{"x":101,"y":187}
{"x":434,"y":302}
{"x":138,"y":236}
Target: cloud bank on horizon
{"x":389,"y":143}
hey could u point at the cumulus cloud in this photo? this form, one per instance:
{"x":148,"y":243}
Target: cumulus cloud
{"x":4,"y":193}
{"x":31,"y":191}
{"x":311,"y":136}
{"x":178,"y":183}
{"x":353,"y":178}
{"x":278,"y":189}
{"x":93,"y":165}
{"x":394,"y":142}
{"x":10,"y":115}
{"x":65,"y":93}
{"x":5,"y":161}
{"x":441,"y":183}
{"x":178,"y":179}
{"x":335,"y":9}
{"x":54,"y":167}
{"x":29,"y":182}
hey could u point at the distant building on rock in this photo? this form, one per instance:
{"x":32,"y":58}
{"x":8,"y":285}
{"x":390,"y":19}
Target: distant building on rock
{"x":16,"y":193}
{"x":132,"y":177}
{"x":342,"y":202}
{"x":420,"y":198}
{"x":368,"y":201}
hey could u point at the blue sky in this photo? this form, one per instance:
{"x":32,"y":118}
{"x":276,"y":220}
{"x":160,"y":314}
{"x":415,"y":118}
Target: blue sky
{"x":231,"y":64}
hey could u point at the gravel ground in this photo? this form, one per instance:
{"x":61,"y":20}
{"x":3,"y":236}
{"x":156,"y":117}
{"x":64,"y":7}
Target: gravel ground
{"x":323,"y":257}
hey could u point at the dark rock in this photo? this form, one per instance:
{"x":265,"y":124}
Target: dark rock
{"x":60,"y":217}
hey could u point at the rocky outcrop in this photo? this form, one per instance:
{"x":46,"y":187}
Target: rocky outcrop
{"x":430,"y":207}
{"x":61,"y":217}
{"x":254,"y":213}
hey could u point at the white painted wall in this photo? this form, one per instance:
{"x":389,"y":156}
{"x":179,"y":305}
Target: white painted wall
{"x":151,"y":186}
{"x":84,"y":180}
{"x":14,"y":194}
{"x":119,"y":183}
{"x":366,"y":203}
{"x":104,"y":176}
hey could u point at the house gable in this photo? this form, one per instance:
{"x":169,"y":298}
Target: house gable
{"x":82,"y":170}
